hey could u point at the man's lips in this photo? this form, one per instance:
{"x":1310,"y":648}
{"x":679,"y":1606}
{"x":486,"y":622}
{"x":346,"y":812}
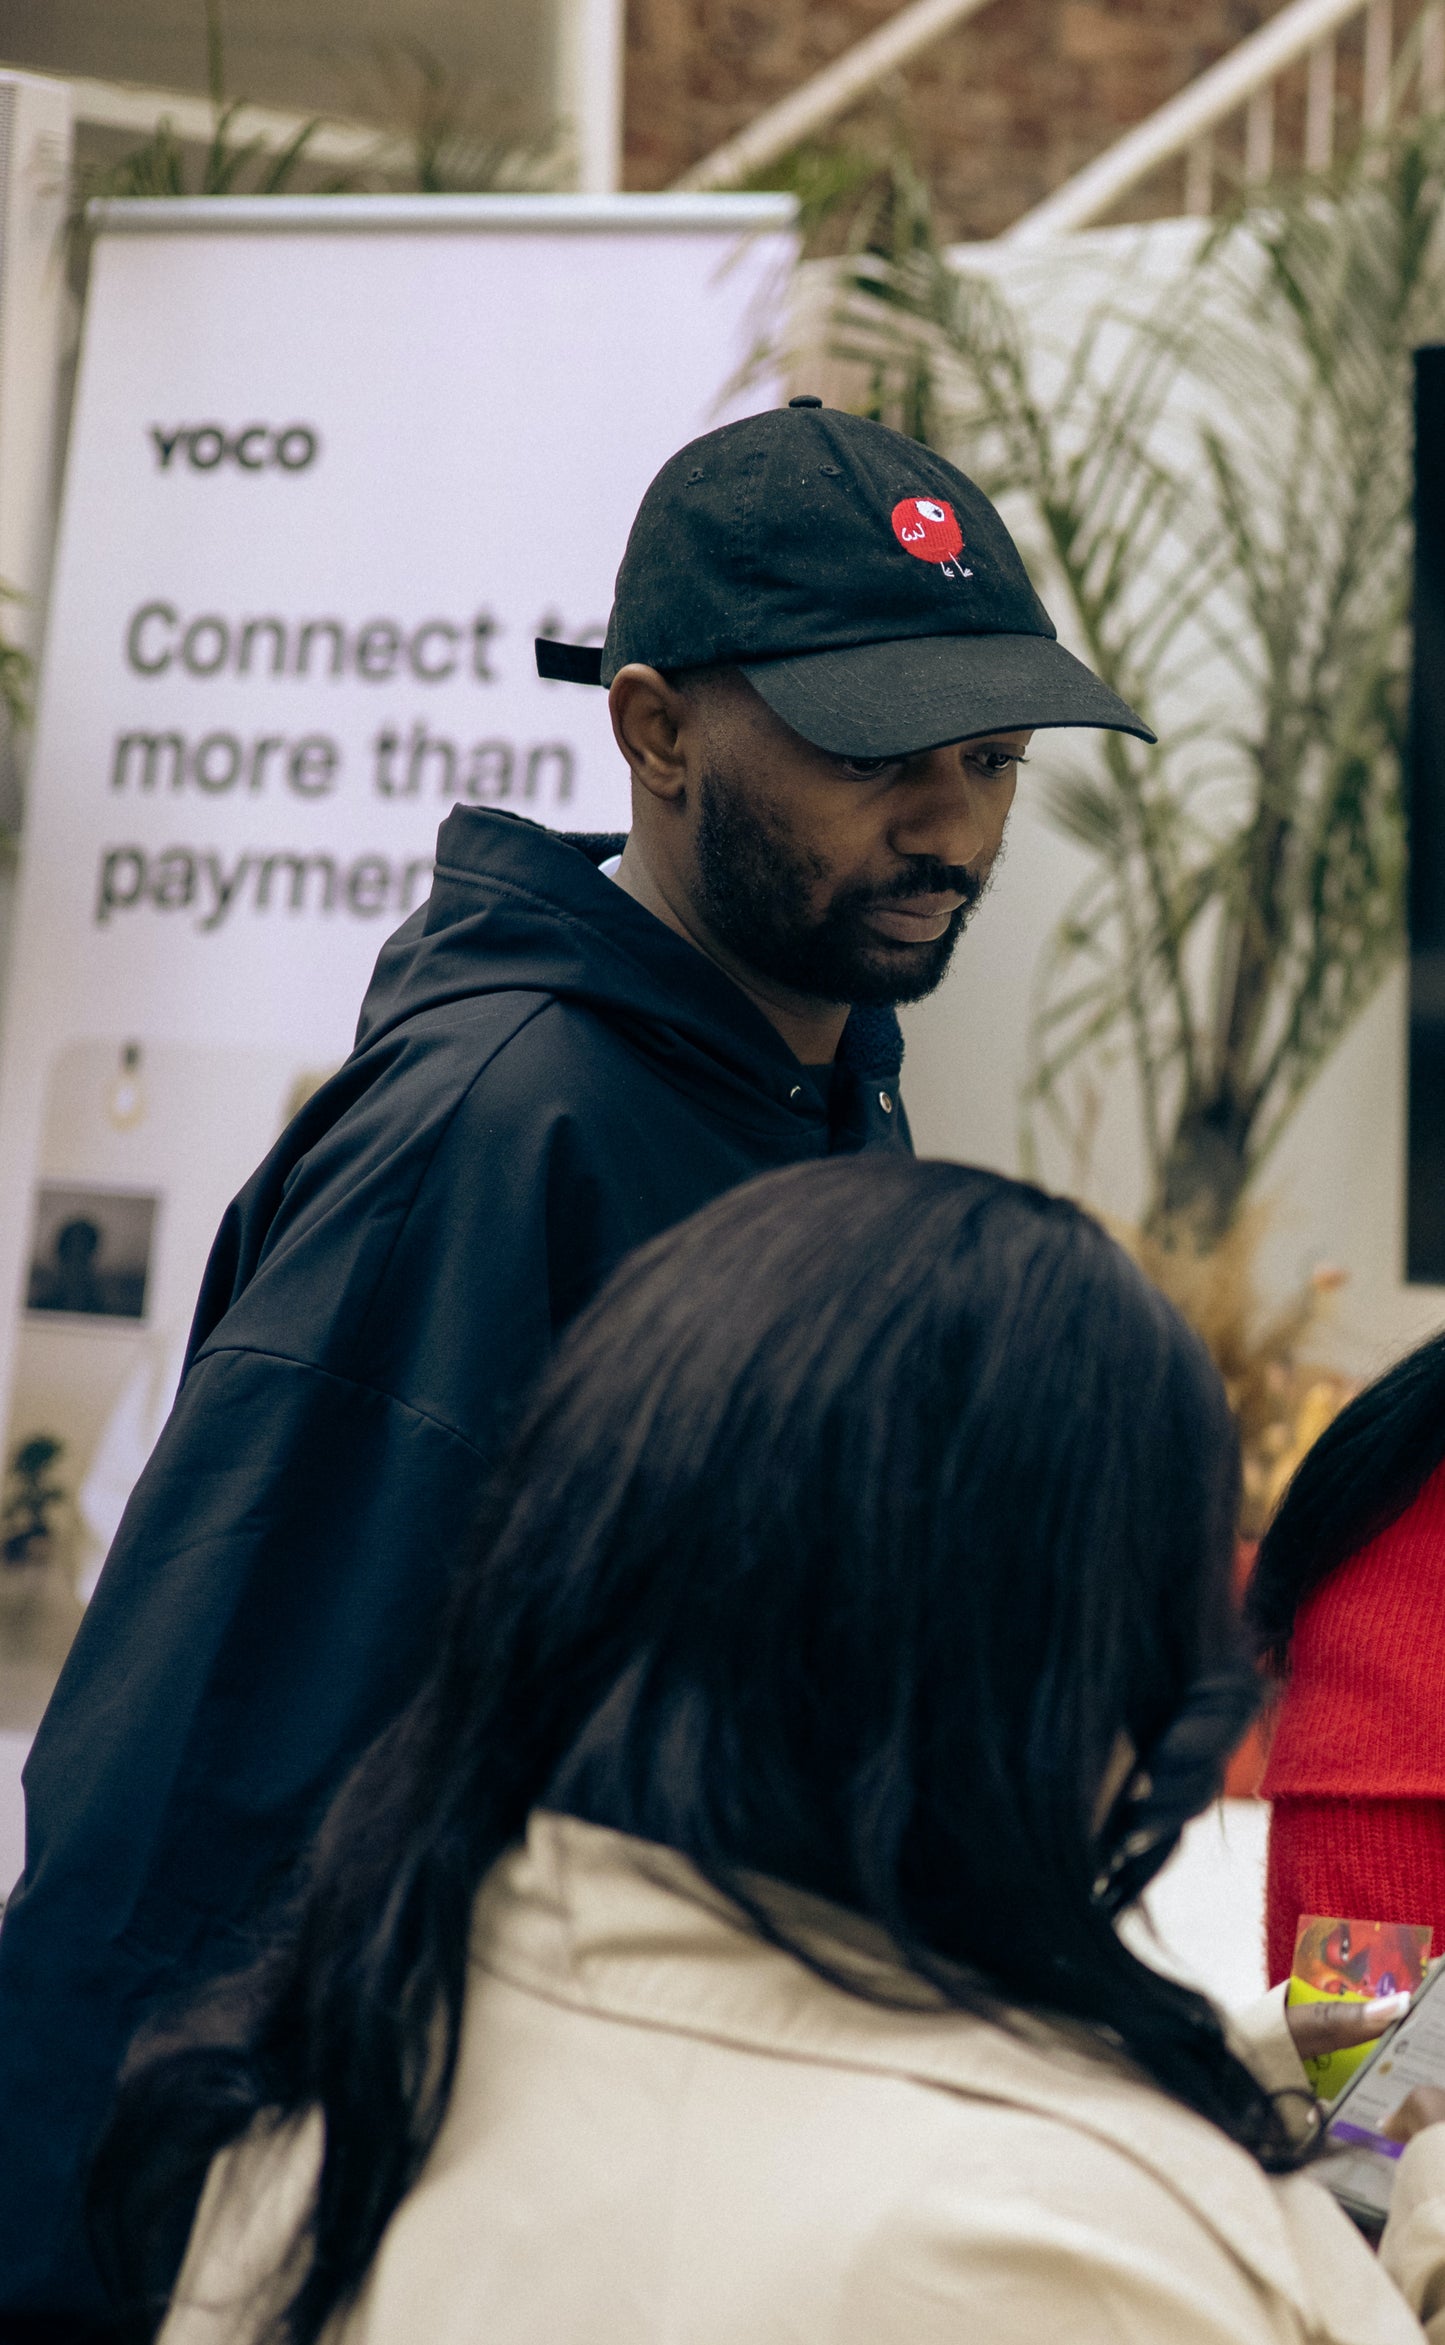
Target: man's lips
{"x":913,"y":920}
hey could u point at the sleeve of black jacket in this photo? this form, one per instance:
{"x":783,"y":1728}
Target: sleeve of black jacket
{"x":274,"y":1587}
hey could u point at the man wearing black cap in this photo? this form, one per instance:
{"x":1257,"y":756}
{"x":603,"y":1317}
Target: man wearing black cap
{"x":824,"y":661}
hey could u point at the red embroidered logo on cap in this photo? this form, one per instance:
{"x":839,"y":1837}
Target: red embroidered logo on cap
{"x":928,"y":529}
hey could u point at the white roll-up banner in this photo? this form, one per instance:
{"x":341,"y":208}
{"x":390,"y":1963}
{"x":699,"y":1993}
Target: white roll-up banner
{"x":334,"y":463}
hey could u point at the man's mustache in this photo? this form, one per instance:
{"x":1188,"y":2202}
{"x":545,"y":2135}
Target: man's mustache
{"x":925,"y":877}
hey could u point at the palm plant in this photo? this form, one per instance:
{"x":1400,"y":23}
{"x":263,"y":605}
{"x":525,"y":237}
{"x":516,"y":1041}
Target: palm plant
{"x":1216,"y":481}
{"x":228,"y":164}
{"x":29,"y":1499}
{"x":454,"y":137}
{"x":444,"y":138}
{"x":16,"y":670}
{"x":17,"y":676}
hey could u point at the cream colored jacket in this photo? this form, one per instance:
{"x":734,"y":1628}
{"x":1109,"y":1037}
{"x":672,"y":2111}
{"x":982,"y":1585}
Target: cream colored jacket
{"x":666,"y":2132}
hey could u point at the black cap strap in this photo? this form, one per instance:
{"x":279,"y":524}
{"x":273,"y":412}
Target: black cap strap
{"x":569,"y":663}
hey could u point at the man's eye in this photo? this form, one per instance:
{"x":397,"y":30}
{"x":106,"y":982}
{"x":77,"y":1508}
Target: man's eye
{"x":996,"y":761}
{"x":863,"y":768}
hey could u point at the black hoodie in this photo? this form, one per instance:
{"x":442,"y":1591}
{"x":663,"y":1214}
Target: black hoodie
{"x":544,"y":1076}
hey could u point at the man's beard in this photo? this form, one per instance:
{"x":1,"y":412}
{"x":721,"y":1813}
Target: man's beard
{"x":757,"y":887}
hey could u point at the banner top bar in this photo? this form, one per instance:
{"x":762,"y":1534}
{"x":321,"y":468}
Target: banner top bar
{"x":229,"y":214}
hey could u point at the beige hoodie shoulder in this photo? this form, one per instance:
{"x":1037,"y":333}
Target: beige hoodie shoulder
{"x":667,"y":2132}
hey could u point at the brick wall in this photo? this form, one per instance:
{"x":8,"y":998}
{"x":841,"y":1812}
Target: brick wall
{"x":998,"y":113}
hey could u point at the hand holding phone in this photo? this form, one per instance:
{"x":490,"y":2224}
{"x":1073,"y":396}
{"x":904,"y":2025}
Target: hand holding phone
{"x":1399,"y":2090}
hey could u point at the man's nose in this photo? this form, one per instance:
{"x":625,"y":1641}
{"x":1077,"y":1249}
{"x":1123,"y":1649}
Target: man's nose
{"x":949,"y":813}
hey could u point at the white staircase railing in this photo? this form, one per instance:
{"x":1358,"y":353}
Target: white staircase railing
{"x":1247,"y":83}
{"x":807,"y":111}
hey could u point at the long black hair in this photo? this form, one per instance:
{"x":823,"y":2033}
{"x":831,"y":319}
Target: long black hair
{"x":852,"y":1526}
{"x":1365,"y":1470}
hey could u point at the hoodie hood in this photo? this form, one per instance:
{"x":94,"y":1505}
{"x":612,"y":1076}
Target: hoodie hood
{"x":515,"y":908}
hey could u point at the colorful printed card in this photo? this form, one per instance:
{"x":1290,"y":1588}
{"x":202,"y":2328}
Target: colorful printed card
{"x":1355,"y":1962}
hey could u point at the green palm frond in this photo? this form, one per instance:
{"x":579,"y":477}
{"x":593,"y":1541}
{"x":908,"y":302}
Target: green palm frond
{"x":1216,"y":482}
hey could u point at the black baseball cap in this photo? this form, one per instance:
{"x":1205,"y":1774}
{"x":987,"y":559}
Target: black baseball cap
{"x":866,"y":587}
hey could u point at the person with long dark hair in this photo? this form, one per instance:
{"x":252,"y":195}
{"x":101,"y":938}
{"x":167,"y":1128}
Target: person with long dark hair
{"x":1348,"y":1601}
{"x":723,"y":1945}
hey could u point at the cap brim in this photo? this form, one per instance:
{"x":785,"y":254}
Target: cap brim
{"x":893,"y":699}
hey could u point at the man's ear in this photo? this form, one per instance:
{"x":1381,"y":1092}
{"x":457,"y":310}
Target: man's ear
{"x":647,"y":722}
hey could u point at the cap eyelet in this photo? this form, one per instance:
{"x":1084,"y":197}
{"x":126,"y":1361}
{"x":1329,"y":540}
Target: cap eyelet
{"x":834,"y":471}
{"x":696,"y":473}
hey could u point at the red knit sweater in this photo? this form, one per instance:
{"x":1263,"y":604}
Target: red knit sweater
{"x":1356,"y":1765}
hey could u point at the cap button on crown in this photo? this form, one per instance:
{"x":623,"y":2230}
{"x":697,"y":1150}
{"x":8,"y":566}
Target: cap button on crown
{"x":806,"y":399}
